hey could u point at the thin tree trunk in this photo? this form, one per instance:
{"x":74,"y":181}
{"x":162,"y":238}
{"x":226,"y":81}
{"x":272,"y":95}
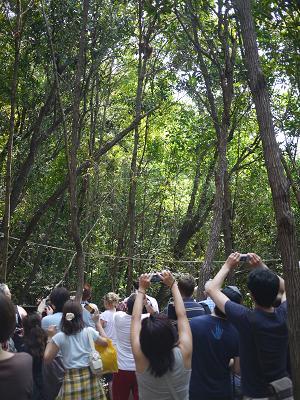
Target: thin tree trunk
{"x":293,"y":184}
{"x":278,"y":183}
{"x":133,"y":168}
{"x":52,"y":199}
{"x":41,"y":252}
{"x":205,"y":269}
{"x":227,"y":217}
{"x":71,"y":149}
{"x":8,"y":179}
{"x":194,"y":221}
{"x":222,"y":129}
{"x":75,"y":231}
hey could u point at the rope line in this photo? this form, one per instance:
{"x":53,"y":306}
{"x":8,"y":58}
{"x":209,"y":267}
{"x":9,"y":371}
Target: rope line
{"x":112,"y":256}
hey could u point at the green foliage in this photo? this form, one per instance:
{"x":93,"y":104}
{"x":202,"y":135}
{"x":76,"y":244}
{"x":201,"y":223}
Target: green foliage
{"x":171,"y":139}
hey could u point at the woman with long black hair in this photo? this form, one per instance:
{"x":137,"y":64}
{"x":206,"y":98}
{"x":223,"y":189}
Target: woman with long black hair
{"x":35,"y":340}
{"x":162,"y":356}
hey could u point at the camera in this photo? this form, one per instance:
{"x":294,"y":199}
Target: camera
{"x":89,"y":308}
{"x":244,"y":257}
{"x":155,"y":278}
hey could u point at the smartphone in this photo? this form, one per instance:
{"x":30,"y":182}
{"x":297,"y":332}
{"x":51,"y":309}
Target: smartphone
{"x":244,"y":257}
{"x":155,"y":278}
{"x":89,"y":308}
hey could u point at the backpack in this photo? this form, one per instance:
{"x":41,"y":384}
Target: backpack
{"x":206,"y":307}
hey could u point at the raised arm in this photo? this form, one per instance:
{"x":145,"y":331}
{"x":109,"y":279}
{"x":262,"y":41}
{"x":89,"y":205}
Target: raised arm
{"x":256,"y":262}
{"x":98,"y":325}
{"x":215,"y":285}
{"x":183,"y":325}
{"x":140,"y":359}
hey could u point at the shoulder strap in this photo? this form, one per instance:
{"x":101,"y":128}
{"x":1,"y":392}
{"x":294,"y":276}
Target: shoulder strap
{"x":92,"y":344}
{"x":206,"y":307}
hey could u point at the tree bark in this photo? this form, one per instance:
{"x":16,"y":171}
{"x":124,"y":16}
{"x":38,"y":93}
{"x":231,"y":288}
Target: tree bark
{"x":144,"y":54}
{"x":72,"y":156}
{"x":133,"y":168}
{"x":278,"y":183}
{"x":227,"y":217}
{"x":61,"y":188}
{"x":221,"y":126}
{"x":195,"y":220}
{"x":293,"y":184}
{"x":8,"y":179}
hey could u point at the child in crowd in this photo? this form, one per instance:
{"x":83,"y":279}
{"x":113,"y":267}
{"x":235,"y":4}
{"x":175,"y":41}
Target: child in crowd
{"x":35,"y":340}
{"x":73,"y":343}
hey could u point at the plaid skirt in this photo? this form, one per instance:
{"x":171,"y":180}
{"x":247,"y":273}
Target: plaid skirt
{"x":81,"y":384}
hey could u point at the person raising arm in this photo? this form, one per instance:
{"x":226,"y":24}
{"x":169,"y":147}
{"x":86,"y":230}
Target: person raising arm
{"x":162,"y":357}
{"x":254,"y":261}
{"x":263,"y":333}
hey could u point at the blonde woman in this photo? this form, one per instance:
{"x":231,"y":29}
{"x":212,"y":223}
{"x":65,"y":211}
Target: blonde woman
{"x":110,"y":300}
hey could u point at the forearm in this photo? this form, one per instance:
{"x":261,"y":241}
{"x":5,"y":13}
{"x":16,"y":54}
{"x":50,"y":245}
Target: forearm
{"x":178,"y":302}
{"x":102,"y":341}
{"x":50,"y":352}
{"x":217,"y":282}
{"x":100,"y":329}
{"x":149,"y":309}
{"x":138,"y":304}
{"x":136,"y":320}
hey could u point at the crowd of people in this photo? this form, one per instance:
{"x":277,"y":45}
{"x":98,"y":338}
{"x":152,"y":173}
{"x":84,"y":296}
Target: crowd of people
{"x":216,"y":349}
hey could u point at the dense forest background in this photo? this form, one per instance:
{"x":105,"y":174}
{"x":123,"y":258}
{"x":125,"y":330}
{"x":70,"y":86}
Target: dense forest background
{"x":129,"y":139}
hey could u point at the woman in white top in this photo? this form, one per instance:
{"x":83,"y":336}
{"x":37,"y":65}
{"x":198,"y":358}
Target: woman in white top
{"x":73,"y":343}
{"x":110,"y":300}
{"x":162,"y":357}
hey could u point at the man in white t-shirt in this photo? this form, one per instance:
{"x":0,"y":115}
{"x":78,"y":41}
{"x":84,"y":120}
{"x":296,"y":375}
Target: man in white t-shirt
{"x":150,"y":300}
{"x":124,"y":381}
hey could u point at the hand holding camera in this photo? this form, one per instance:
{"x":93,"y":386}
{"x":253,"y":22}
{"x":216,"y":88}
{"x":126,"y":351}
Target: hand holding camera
{"x":144,"y":281}
{"x":244,"y":257}
{"x":156,"y":278}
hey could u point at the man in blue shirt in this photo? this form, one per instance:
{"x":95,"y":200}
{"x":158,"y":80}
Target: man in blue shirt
{"x":208,"y":300}
{"x":215,"y":345}
{"x":263,"y":335}
{"x":186,"y":285}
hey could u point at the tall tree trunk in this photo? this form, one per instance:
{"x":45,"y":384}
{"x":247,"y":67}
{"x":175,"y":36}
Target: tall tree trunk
{"x":133,"y":168}
{"x":71,"y":146}
{"x":294,"y":185}
{"x":193,"y":222}
{"x":8,"y":179}
{"x":278,"y":183}
{"x":227,"y":217}
{"x":61,"y":188}
{"x":222,"y":129}
{"x":145,"y":52}
{"x":75,"y":230}
{"x":205,"y":269}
